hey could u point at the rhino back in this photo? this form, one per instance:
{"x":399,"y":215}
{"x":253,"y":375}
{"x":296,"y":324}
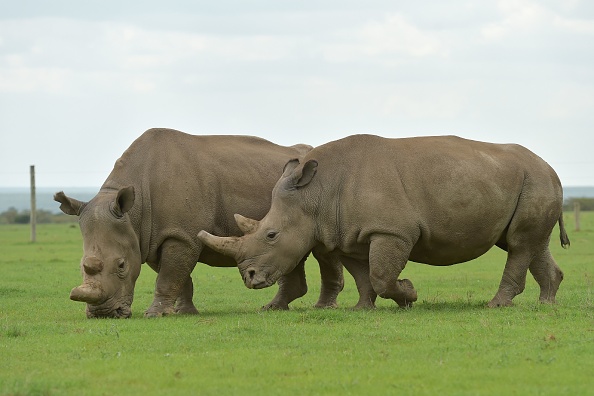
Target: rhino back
{"x":187,"y":183}
{"x":456,"y":193}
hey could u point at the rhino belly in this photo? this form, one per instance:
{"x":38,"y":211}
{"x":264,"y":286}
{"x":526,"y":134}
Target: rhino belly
{"x":459,"y":239}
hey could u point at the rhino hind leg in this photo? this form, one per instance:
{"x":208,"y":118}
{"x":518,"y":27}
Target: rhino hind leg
{"x":548,"y":275}
{"x":184,"y":304}
{"x":360,"y":273}
{"x":526,"y":241}
{"x":290,"y":287}
{"x":388,"y":255}
{"x":513,"y":280}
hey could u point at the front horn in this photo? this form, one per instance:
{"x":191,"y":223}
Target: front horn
{"x":229,"y":246}
{"x":86,"y":293}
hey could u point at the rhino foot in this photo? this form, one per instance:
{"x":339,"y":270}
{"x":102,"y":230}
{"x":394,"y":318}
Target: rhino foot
{"x":497,"y":302}
{"x":408,"y":294}
{"x":158,"y":310}
{"x":186,"y":310}
{"x":364,"y":305}
{"x":275,"y":306}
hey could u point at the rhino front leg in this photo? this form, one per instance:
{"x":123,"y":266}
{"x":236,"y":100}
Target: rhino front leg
{"x":290,"y":287}
{"x":184,"y":304}
{"x":388,"y":255}
{"x":176,"y":263}
{"x":331,"y":277}
{"x":360,"y":272}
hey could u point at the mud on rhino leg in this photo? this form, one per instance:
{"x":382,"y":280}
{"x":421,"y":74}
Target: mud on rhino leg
{"x":184,"y":304}
{"x":388,"y":255}
{"x":331,"y":277}
{"x":290,"y":287}
{"x":359,"y":270}
{"x":176,"y":263}
{"x":547,"y":274}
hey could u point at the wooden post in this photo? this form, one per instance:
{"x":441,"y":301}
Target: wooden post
{"x":33,"y":206}
{"x":576,"y":210}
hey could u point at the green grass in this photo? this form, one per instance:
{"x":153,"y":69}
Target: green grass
{"x":448,"y":343}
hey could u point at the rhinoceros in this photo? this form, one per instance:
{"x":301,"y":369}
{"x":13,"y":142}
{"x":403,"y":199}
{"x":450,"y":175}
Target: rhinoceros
{"x":167,"y":186}
{"x":377,"y":203}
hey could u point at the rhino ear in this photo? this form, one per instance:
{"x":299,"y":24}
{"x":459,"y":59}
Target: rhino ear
{"x":290,"y":167}
{"x":124,"y":201}
{"x":69,"y":206}
{"x":302,"y":176}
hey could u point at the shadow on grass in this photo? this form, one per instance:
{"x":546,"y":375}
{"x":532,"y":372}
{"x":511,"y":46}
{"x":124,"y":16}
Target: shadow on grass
{"x":331,"y":313}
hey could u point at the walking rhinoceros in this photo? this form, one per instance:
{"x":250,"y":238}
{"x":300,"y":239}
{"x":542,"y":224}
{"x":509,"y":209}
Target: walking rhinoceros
{"x":166,"y":187}
{"x":377,"y":203}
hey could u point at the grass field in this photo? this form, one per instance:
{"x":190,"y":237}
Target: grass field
{"x":448,"y":343}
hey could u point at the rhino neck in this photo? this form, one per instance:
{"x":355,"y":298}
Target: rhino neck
{"x":327,"y":206}
{"x":142,"y":222}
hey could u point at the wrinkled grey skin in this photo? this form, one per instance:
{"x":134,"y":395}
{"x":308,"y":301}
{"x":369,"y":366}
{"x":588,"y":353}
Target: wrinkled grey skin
{"x":376,"y":203}
{"x":166,"y":187}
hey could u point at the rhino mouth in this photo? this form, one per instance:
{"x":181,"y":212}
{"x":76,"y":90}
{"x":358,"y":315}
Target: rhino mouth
{"x":116,"y":311}
{"x":257,"y":279}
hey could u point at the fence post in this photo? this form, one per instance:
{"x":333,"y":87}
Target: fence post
{"x":576,"y":210}
{"x":33,"y":206}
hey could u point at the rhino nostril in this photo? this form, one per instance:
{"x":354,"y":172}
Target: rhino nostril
{"x":251,"y":273}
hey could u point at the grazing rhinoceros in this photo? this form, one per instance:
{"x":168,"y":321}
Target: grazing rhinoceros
{"x":377,"y":203}
{"x":166,"y":187}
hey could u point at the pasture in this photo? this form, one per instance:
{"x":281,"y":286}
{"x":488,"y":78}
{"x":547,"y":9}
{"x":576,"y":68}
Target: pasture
{"x":448,"y":343}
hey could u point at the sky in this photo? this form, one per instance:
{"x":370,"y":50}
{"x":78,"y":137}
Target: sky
{"x":81,"y":80}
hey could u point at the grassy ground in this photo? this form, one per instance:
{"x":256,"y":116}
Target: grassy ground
{"x":449,"y":343}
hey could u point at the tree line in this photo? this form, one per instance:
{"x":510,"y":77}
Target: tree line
{"x":14,"y":216}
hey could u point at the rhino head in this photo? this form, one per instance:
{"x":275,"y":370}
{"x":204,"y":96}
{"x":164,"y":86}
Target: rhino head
{"x":111,"y":252}
{"x":273,"y":246}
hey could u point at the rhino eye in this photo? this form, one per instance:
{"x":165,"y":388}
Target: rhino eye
{"x":271,"y":235}
{"x":121,"y":264}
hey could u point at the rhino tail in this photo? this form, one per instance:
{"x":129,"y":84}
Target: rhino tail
{"x":563,"y":234}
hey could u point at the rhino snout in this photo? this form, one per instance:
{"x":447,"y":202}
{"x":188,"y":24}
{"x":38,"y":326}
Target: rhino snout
{"x":254,"y":279}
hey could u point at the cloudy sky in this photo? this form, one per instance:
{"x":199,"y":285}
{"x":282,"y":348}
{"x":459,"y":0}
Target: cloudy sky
{"x":79,"y":81}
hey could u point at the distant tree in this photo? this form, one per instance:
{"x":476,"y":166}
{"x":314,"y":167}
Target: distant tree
{"x":9,"y":216}
{"x":586,"y":204}
{"x":13,"y":216}
{"x":23,"y":217}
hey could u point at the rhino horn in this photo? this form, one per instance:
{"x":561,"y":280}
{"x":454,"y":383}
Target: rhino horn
{"x":229,"y":246}
{"x":92,"y":265}
{"x":246,"y":225}
{"x":87,"y":293}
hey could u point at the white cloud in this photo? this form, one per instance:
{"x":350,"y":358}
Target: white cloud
{"x":518,"y":15}
{"x":528,"y":16}
{"x":442,"y":101}
{"x":393,"y":36}
{"x":61,"y":55}
{"x":570,"y":101}
{"x":574,"y":25}
{"x":25,"y":79}
{"x":136,"y":48}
